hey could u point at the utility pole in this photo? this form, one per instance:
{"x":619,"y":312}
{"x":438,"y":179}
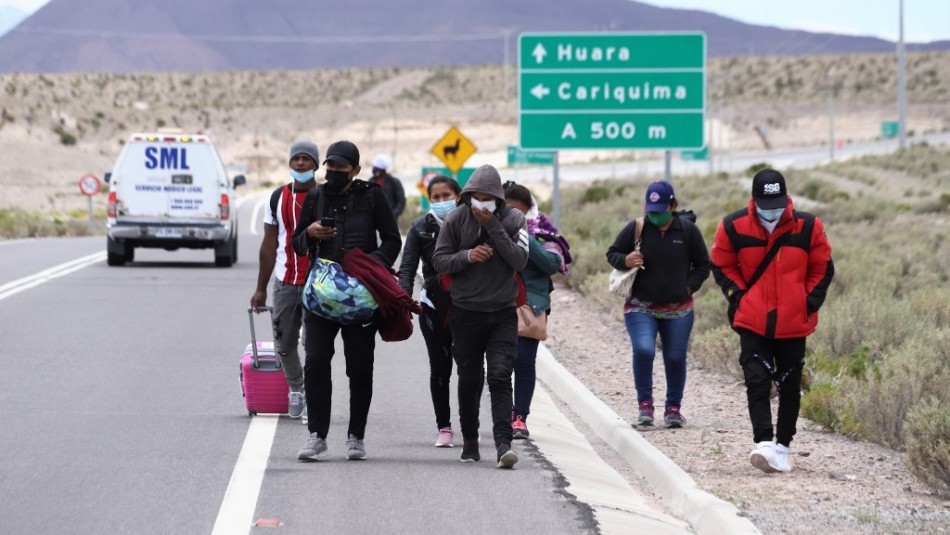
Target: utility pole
{"x":831,"y":113}
{"x":901,"y":85}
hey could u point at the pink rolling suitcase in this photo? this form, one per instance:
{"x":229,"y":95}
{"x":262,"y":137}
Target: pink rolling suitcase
{"x":263,"y":383}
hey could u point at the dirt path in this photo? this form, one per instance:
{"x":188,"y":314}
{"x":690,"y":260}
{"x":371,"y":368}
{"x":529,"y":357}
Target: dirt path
{"x":838,"y":485}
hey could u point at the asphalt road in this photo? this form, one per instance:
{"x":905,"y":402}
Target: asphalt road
{"x":121,"y":412}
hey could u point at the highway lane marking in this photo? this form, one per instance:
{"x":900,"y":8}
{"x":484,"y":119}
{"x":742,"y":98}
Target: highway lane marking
{"x":25,"y":283}
{"x":11,"y":242}
{"x":257,"y":213}
{"x":240,"y":499}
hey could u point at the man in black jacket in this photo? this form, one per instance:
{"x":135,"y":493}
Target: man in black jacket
{"x":391,"y":185}
{"x":340,"y":215}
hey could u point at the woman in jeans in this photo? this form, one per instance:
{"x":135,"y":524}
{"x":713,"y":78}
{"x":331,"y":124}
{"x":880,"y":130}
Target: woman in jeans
{"x":548,"y":253}
{"x":674,"y":263}
{"x":420,"y":242}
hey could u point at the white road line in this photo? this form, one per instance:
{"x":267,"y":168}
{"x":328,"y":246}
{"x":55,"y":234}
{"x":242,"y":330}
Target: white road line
{"x":240,"y":499}
{"x":257,"y":214}
{"x":19,"y":285}
{"x":11,"y":242}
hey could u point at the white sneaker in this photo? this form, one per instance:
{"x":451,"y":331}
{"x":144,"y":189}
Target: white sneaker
{"x":781,"y":459}
{"x":765,"y":458}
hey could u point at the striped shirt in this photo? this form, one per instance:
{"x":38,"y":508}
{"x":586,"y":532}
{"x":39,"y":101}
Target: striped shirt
{"x":289,"y":267}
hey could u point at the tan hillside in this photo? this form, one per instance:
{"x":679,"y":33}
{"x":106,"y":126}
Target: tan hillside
{"x":54,"y":128}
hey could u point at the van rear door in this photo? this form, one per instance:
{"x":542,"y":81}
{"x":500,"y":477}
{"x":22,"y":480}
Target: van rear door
{"x":169,"y":179}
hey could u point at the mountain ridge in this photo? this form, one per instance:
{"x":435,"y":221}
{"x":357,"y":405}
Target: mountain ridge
{"x":219,"y":35}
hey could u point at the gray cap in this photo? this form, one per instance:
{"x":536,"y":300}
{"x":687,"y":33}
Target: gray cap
{"x":305,"y":147}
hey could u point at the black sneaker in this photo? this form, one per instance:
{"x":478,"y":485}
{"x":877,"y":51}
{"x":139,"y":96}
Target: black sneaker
{"x":506,"y":457}
{"x":470,"y":451}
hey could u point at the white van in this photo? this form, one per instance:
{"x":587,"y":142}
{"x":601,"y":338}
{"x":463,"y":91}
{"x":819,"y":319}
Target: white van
{"x":171,"y":191}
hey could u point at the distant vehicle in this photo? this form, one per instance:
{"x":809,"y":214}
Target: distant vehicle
{"x":171,"y":190}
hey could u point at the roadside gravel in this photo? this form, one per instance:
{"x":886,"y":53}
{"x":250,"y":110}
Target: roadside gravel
{"x":837,"y":485}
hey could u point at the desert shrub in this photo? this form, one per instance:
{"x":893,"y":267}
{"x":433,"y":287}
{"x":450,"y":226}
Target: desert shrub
{"x":756,"y":167}
{"x":65,"y":137}
{"x":928,"y":444}
{"x":717,"y":349}
{"x":18,"y":223}
{"x":819,"y":404}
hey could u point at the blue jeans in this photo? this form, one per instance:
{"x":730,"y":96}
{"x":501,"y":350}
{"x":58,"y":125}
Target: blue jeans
{"x":674,"y":337}
{"x":525,"y":374}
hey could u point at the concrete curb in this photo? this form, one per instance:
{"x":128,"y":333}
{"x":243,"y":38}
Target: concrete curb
{"x":706,"y":513}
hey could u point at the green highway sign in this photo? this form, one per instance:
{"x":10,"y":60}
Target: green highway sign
{"x":519,"y":156}
{"x":612,"y":91}
{"x":695,"y":155}
{"x":889,"y":129}
{"x":428,"y":173}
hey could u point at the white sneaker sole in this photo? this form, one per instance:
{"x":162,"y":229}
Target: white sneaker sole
{"x":443,"y":445}
{"x":759,"y":461}
{"x":310,"y":458}
{"x":508,"y":459}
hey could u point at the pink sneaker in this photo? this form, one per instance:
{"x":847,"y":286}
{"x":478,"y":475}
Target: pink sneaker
{"x":519,"y":428}
{"x":446,"y":438}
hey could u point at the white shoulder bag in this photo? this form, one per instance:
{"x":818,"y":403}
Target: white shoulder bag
{"x":620,"y":282}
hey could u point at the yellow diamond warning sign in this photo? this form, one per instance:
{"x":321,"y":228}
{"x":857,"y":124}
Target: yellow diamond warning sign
{"x":454,"y":149}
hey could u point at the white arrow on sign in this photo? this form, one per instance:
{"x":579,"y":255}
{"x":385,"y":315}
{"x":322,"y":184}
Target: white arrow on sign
{"x":539,"y":53}
{"x":539,"y":91}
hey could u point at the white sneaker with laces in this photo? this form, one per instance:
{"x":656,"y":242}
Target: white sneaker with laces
{"x":781,"y":459}
{"x":765,"y":458}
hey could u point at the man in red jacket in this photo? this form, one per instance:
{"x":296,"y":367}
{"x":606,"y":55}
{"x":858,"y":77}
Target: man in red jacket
{"x":774,"y":266}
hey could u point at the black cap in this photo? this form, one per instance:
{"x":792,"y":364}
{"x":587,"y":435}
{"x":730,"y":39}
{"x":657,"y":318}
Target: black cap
{"x":768,"y":190}
{"x":343,"y":152}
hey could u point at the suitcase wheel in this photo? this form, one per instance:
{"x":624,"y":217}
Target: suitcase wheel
{"x":251,"y":413}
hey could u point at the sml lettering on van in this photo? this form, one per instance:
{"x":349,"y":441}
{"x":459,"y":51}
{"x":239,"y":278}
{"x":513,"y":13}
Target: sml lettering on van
{"x":166,"y":158}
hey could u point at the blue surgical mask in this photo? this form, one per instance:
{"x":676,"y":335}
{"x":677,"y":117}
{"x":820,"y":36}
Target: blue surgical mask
{"x":443,"y":208}
{"x":488,"y":206}
{"x":305,"y":176}
{"x":770,"y":215}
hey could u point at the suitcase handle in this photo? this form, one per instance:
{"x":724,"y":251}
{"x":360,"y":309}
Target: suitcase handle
{"x":250,"y":315}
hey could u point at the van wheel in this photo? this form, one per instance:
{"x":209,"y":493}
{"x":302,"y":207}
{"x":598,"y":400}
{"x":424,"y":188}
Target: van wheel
{"x":225,"y":260}
{"x":113,"y":259}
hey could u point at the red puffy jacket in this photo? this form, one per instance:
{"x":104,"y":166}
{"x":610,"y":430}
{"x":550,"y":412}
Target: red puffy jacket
{"x":784,"y":302}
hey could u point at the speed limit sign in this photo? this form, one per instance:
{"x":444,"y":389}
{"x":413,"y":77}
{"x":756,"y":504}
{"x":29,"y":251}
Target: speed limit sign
{"x":90,"y":185}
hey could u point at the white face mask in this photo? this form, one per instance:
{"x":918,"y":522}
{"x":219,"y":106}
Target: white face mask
{"x":488,"y":206}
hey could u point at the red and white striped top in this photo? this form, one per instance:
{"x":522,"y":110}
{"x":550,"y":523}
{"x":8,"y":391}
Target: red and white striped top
{"x":289,"y":267}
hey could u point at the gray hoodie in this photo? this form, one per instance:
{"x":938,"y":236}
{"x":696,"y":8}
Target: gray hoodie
{"x":488,"y":286}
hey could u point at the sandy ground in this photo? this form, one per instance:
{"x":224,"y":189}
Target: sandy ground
{"x":837,"y":485}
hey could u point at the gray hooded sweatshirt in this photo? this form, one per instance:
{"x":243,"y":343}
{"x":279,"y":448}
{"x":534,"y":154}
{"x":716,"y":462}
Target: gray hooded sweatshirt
{"x":489,"y":286}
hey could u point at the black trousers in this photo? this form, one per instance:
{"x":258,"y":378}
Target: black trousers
{"x":481,"y":338}
{"x":765,"y":361}
{"x":439,"y":345}
{"x":359,"y":344}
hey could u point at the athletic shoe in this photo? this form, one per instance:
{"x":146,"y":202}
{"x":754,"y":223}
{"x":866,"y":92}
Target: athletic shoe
{"x":446,"y":438}
{"x":781,"y":458}
{"x":315,"y":449}
{"x":672,"y":416}
{"x":646,"y":412}
{"x":354,"y":448}
{"x":470,"y":451}
{"x":506,"y":457}
{"x":296,"y":404}
{"x":519,"y":428}
{"x":765,"y":457}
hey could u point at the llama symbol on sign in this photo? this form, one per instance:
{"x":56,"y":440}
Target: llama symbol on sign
{"x":452,"y":149}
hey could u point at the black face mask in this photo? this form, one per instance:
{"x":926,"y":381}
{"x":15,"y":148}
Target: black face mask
{"x":336,"y":181}
{"x":378,"y":172}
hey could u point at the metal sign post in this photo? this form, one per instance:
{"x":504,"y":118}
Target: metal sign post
{"x":556,"y":195}
{"x":89,"y":185}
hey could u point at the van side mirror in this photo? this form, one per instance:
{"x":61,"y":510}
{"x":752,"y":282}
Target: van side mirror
{"x":239,"y":181}
{"x":107,"y":177}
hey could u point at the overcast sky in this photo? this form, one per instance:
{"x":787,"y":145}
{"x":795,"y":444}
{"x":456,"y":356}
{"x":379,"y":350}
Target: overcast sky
{"x":924,"y":20}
